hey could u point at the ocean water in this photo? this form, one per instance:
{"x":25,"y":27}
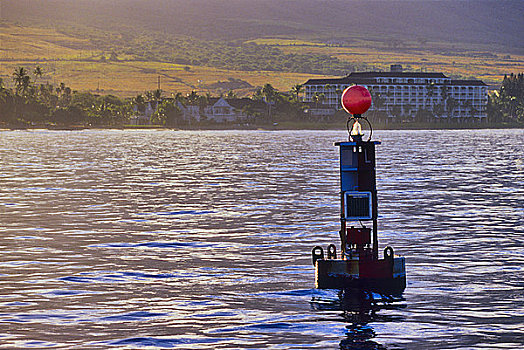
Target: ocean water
{"x":202,"y":240}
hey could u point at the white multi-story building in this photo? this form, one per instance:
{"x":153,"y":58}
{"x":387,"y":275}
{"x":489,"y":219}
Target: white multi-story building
{"x":404,"y":94}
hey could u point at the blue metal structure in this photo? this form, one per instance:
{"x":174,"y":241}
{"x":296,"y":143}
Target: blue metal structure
{"x":358,"y":178}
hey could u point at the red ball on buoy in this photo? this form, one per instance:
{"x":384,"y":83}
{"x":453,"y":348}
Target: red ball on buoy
{"x":356,"y":99}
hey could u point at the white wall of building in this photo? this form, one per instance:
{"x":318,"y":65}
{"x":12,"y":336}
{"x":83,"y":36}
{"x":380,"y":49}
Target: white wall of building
{"x":410,"y":93}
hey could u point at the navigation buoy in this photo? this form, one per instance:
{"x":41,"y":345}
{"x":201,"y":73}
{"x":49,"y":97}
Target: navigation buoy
{"x":356,"y":100}
{"x":358,"y":266}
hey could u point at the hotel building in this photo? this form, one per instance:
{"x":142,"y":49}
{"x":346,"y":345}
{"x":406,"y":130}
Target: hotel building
{"x":401,"y":94}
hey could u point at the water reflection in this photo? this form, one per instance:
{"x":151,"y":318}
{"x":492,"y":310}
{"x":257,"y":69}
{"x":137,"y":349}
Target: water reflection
{"x":359,"y":309}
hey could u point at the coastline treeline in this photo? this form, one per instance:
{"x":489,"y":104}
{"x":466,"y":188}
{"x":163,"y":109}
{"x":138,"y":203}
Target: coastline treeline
{"x":33,"y":104}
{"x":507,"y":103}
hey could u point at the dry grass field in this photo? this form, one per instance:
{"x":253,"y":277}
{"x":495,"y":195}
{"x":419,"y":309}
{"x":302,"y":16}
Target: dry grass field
{"x":472,"y":61}
{"x":74,"y":62}
{"x":78,"y":64}
{"x":28,"y":43}
{"x":128,"y":78}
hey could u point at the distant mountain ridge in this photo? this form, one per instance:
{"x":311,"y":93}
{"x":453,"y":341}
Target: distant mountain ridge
{"x":486,"y":22}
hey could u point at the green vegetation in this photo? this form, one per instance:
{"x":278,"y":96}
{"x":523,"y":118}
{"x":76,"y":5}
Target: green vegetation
{"x":507,"y":104}
{"x":313,"y":56}
{"x":126,"y":62}
{"x":30,"y":104}
{"x":33,"y":104}
{"x":113,"y":47}
{"x":106,"y":69}
{"x":247,"y":56}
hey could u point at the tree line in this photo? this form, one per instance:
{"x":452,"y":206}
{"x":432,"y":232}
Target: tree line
{"x":30,"y":103}
{"x":507,"y":103}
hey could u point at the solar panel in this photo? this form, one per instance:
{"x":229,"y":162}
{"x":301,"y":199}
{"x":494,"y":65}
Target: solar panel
{"x":358,"y":206}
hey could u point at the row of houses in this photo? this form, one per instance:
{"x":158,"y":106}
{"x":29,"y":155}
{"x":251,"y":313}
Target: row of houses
{"x":223,"y":110}
{"x":403,"y":94}
{"x":216,"y":109}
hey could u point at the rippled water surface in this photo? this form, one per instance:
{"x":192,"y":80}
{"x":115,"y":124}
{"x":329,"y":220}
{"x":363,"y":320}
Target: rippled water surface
{"x":202,"y":240}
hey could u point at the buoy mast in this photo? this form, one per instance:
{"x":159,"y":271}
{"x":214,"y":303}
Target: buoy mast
{"x":358,"y":198}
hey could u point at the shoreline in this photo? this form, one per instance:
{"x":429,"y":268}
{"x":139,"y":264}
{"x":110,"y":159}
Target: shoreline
{"x":277,"y":128}
{"x":273,"y":127}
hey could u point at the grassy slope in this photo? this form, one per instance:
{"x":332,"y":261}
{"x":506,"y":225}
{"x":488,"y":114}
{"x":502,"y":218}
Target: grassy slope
{"x":461,"y":61}
{"x":468,"y":38}
{"x":76,"y":62}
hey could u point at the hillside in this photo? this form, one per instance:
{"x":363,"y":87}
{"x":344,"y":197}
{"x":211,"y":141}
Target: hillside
{"x":123,"y":46}
{"x":80,"y":64}
{"x":485,"y":22}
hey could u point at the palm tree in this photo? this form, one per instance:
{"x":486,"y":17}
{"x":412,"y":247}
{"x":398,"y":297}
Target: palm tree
{"x":339,"y":92}
{"x":322,"y":98}
{"x":38,"y":72}
{"x":451,"y":104}
{"x":22,"y":83}
{"x":268,"y":91}
{"x":3,"y":92}
{"x":193,"y":97}
{"x":179,"y":97}
{"x":328,"y":88}
{"x":157,"y":94}
{"x":257,"y":95}
{"x":318,"y":98}
{"x":140,"y":103}
{"x":407,"y":110}
{"x":149,"y":96}
{"x":296,"y":90}
{"x":438,"y":109}
{"x":22,"y":80}
{"x":203,"y":101}
{"x":378,"y":104}
{"x":444,"y":93}
{"x":315,"y":99}
{"x":431,"y":91}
